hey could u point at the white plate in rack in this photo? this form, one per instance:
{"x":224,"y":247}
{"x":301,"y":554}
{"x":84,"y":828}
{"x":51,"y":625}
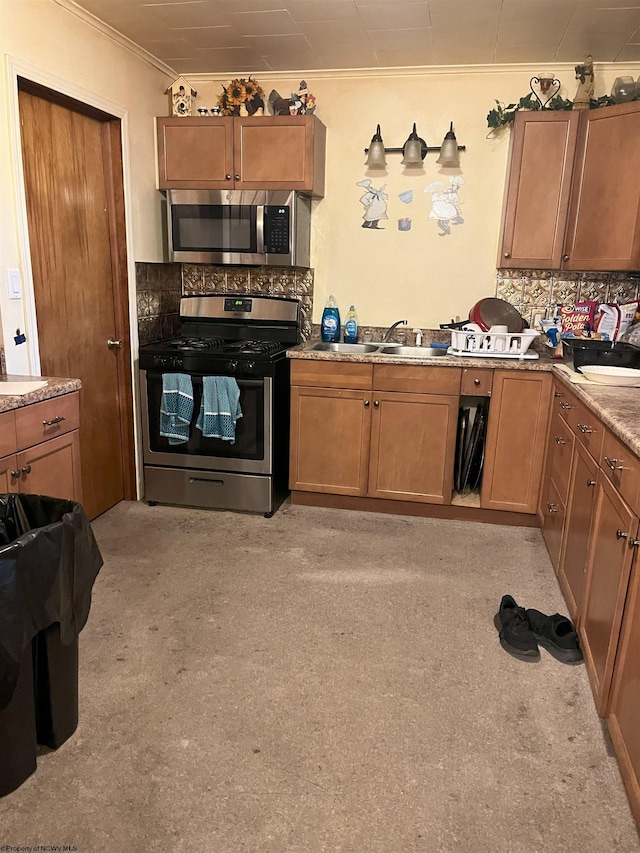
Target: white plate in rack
{"x":606,"y":374}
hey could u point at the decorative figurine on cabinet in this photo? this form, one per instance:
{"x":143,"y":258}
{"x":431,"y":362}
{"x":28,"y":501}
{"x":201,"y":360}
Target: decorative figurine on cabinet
{"x":181,"y":96}
{"x":584,"y":93}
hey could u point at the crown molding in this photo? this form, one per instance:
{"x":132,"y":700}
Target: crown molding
{"x":116,"y":37}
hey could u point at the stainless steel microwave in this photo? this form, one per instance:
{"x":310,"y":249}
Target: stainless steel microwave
{"x":246,"y":227}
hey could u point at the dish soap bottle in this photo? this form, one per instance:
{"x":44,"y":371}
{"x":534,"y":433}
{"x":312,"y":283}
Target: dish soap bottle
{"x":351,"y":327}
{"x":330,"y":327}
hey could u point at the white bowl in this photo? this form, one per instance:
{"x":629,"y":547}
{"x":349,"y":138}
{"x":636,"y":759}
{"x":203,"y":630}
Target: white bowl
{"x":605,"y":374}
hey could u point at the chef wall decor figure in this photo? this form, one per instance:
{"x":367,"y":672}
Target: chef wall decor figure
{"x":374,"y":202}
{"x":445,"y":204}
{"x":181,"y":97}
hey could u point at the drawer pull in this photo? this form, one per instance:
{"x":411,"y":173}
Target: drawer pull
{"x":15,"y":473}
{"x":26,"y":469}
{"x":612,"y":463}
{"x":565,"y":405}
{"x":57,"y":420}
{"x":366,"y":404}
{"x":620,"y":534}
{"x":553,"y":507}
{"x":591,"y":482}
{"x":557,"y":393}
{"x":634,"y":543}
{"x":584,"y":428}
{"x":560,"y":439}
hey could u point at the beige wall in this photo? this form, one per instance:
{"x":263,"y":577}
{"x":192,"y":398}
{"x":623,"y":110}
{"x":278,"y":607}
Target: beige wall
{"x":55,"y":42}
{"x":416,"y":275}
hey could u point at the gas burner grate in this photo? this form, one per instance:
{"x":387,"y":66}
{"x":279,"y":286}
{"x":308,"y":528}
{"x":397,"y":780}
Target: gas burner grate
{"x":253,"y":347}
{"x":195,"y":343}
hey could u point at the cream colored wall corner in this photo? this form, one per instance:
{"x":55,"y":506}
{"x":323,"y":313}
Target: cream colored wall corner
{"x":45,"y":36}
{"x":417,"y":275}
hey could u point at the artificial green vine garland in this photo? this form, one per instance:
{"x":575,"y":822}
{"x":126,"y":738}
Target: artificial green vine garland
{"x":503,"y":115}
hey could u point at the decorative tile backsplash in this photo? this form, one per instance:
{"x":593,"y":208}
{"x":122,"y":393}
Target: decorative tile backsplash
{"x":537,"y":292}
{"x":160,"y":286}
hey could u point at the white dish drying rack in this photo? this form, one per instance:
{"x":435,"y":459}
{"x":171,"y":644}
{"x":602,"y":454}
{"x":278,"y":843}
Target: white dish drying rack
{"x":492,"y":344}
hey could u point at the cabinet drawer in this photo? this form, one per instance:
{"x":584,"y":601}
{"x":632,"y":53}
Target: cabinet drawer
{"x":331,"y":374}
{"x":8,"y":442}
{"x":42,"y":421}
{"x":476,"y":382}
{"x":416,"y":379}
{"x":622,"y":468}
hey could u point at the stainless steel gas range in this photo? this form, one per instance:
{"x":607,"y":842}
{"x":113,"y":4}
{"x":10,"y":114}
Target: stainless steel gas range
{"x":228,"y":345}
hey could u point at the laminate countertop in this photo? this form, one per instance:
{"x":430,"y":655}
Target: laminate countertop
{"x":55,"y":387}
{"x":617,"y":407}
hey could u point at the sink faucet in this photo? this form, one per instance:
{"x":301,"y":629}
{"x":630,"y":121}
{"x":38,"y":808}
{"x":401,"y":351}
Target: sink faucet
{"x":385,"y":337}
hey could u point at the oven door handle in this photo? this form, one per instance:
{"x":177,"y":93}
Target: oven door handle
{"x":260,"y":229}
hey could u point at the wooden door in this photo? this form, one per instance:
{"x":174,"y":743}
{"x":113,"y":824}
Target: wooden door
{"x":330,"y":430}
{"x":543,"y":146}
{"x":73,"y":184}
{"x":573,"y":565}
{"x":625,"y":696}
{"x":195,"y":153}
{"x":604,"y":220}
{"x":413,"y":439}
{"x":610,"y":557}
{"x":516,"y":438}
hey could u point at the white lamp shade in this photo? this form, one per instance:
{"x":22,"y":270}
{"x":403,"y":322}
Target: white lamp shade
{"x":412,"y":153}
{"x":376,"y":157}
{"x":449,"y":155}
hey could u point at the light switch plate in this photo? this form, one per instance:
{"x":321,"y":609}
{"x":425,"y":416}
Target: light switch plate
{"x":15,"y":285}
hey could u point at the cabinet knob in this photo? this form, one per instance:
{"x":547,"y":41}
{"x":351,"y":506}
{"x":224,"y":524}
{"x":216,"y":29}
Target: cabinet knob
{"x":57,"y":420}
{"x":507,"y":254}
{"x":565,"y":257}
{"x":15,"y":473}
{"x":376,"y":404}
{"x":366,"y":404}
{"x":237,"y":177}
{"x":613,"y":464}
{"x":591,"y":482}
{"x":634,"y":543}
{"x":560,"y":439}
{"x":620,"y":534}
{"x":557,"y":393}
{"x":476,"y":381}
{"x":227,"y":177}
{"x":584,"y":428}
{"x":552,"y":507}
{"x":26,"y":469}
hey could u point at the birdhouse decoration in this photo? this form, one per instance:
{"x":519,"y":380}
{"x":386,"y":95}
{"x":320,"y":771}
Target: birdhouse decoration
{"x":181,"y":97}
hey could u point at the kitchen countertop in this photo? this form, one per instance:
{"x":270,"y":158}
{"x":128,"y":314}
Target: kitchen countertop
{"x":55,"y":387}
{"x":617,"y":407}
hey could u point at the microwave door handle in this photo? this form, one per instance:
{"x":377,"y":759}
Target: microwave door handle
{"x":260,"y":229}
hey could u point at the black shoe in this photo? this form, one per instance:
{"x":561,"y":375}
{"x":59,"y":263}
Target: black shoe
{"x":515,"y":633}
{"x":557,"y":635}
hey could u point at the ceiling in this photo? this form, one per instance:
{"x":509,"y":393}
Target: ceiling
{"x":218,"y":36}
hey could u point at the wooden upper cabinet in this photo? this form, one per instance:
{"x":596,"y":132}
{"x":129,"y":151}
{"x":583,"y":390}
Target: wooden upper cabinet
{"x":573,"y":191}
{"x":543,"y":146}
{"x":604,"y":219}
{"x":255,"y":153}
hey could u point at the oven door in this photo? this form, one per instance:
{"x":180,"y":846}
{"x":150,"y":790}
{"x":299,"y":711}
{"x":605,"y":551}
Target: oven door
{"x":250,"y":453}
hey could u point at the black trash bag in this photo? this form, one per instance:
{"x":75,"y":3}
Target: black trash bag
{"x":48,"y":564}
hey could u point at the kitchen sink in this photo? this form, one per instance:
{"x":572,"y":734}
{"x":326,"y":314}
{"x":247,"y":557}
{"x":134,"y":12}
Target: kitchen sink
{"x":412,"y":352}
{"x":345,"y":348}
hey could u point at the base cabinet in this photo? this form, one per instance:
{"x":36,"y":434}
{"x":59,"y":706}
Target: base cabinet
{"x":46,"y":449}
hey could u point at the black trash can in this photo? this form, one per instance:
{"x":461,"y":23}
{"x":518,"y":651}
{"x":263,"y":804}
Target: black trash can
{"x":49,"y":560}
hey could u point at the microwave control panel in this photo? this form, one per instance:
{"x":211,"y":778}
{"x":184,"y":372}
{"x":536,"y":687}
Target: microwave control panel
{"x":277,"y":229}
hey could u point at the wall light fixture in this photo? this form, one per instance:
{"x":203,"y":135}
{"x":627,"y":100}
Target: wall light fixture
{"x":414,"y":150}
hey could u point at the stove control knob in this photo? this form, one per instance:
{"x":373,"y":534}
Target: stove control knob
{"x":251,"y":365}
{"x":232,"y":366}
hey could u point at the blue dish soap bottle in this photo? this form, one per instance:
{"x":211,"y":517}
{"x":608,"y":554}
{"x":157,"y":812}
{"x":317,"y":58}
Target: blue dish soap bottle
{"x":330,"y":327}
{"x":351,"y":327}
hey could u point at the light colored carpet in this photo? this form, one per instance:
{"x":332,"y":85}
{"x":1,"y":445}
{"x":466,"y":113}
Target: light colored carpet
{"x":320,"y":681}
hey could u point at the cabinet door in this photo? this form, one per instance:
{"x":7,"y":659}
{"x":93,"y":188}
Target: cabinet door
{"x":329,"y":448}
{"x":610,"y":557}
{"x":604,"y":228}
{"x":552,"y":515}
{"x":412,"y":447}
{"x":286,"y":153}
{"x":582,"y":493}
{"x":195,"y":153}
{"x":52,"y":468}
{"x":625,"y":697}
{"x":9,"y":474}
{"x":516,"y":438}
{"x":543,"y":146}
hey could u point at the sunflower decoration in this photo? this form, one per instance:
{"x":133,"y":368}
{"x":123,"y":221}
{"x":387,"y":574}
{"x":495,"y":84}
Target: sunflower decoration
{"x":241,"y":95}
